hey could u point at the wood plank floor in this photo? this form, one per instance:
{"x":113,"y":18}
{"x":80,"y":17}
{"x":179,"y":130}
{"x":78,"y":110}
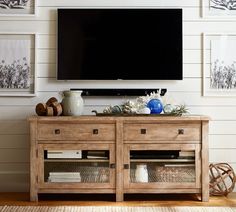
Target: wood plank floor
{"x":109,"y":200}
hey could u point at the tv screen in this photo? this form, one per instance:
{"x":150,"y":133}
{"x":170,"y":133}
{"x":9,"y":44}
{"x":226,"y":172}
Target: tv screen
{"x":127,"y":44}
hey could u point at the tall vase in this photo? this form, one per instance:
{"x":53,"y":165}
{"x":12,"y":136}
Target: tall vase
{"x":72,"y":103}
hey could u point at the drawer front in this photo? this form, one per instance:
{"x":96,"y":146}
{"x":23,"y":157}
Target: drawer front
{"x":162,"y":132}
{"x":90,"y":132}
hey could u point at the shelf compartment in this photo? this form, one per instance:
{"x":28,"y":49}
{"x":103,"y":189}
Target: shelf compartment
{"x":167,"y":173}
{"x":77,"y":160}
{"x":90,"y":172}
{"x":179,"y":160}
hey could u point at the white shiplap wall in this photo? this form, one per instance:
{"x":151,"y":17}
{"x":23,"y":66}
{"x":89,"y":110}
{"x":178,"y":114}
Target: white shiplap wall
{"x":14,"y":132}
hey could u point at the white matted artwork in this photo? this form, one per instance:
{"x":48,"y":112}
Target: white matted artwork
{"x":18,"y":7}
{"x":225,"y":9}
{"x":219,"y":65}
{"x":18,"y":64}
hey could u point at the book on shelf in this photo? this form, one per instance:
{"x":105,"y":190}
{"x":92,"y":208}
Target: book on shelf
{"x":71,"y":174}
{"x":61,"y":180}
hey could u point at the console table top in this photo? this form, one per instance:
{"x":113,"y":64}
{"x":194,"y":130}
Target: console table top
{"x":122,"y":118}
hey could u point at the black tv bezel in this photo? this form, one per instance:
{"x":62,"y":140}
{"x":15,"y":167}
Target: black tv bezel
{"x":180,"y":77}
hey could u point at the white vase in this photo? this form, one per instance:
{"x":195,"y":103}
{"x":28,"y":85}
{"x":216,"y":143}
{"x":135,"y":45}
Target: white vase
{"x":72,"y":103}
{"x":141,"y":173}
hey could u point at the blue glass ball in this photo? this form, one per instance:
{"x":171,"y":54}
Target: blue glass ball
{"x":155,"y":106}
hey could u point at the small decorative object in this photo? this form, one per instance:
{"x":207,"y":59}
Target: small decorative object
{"x":155,"y":105}
{"x":51,"y":108}
{"x":72,"y":103}
{"x":141,"y":173}
{"x":179,"y":110}
{"x":168,"y":108}
{"x":145,"y":105}
{"x":222,"y":179}
{"x":144,"y":110}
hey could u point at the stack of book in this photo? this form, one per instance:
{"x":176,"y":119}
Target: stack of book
{"x":57,"y":177}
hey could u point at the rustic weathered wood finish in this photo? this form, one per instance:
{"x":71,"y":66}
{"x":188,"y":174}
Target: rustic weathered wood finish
{"x":119,"y":135}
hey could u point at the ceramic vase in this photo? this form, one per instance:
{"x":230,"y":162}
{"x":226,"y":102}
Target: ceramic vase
{"x":72,"y":103}
{"x":141,"y":173}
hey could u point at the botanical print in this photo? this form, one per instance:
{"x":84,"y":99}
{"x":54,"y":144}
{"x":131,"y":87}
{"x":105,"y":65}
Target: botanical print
{"x":14,"y":64}
{"x":13,"y":4}
{"x":223,"y":64}
{"x":223,"y":4}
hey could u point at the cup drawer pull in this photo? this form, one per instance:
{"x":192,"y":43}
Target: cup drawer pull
{"x":180,"y":131}
{"x":57,"y":131}
{"x":95,"y":131}
{"x":143,"y":131}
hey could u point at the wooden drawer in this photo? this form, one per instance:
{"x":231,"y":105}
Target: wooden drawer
{"x":162,"y":132}
{"x":87,"y":132}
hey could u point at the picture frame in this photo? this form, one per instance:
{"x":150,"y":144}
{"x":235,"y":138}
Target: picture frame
{"x":219,"y":64}
{"x":18,"y":7}
{"x":219,"y":9}
{"x":18,"y":64}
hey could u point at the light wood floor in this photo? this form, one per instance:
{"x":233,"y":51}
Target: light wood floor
{"x":109,"y":200}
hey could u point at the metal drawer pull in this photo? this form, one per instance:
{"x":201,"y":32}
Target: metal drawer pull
{"x":95,"y":131}
{"x":126,"y":166}
{"x":143,"y":131}
{"x":180,"y":131}
{"x":112,"y":165}
{"x":57,"y":131}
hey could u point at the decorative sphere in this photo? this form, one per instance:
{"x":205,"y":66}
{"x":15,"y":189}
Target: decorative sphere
{"x":155,"y":106}
{"x":222,"y":179}
{"x":168,"y":108}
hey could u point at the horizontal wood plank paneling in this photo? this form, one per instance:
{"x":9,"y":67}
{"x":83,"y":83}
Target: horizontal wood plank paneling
{"x":14,"y":182}
{"x":14,"y":168}
{"x":14,"y":127}
{"x":222,"y":155}
{"x":14,"y":155}
{"x":222,"y":141}
{"x":14,"y":141}
{"x":40,"y":27}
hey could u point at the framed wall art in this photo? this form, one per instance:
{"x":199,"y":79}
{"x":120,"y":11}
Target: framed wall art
{"x":18,"y":64}
{"x":219,"y":64}
{"x":18,"y":7}
{"x":219,"y":9}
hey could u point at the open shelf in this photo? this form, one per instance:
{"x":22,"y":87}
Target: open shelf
{"x":161,"y":160}
{"x":77,"y":160}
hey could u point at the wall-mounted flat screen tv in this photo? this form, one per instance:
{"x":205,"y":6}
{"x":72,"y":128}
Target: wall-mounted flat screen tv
{"x":126,"y":44}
